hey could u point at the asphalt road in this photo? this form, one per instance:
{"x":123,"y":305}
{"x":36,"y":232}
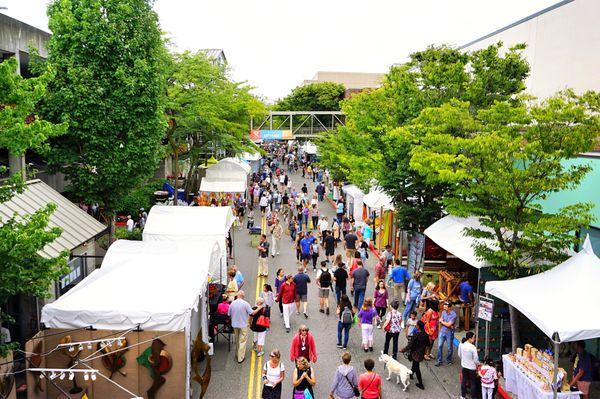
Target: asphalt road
{"x":233,"y":380}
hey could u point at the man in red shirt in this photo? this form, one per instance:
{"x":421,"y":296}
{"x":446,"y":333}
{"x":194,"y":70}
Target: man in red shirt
{"x":380,"y":270}
{"x":288,"y":297}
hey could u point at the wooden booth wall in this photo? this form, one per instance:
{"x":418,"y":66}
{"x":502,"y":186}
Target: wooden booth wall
{"x":137,"y":379}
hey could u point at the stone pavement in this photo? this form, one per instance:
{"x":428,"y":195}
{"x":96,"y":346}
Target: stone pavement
{"x":233,"y":380}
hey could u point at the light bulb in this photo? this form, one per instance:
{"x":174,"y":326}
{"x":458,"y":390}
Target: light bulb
{"x":71,"y":376}
{"x":80,"y":347}
{"x":71,"y":348}
{"x":62,"y":376}
{"x":42,"y":376}
{"x":52,"y":375}
{"x":86,"y":376}
{"x":93,"y":376}
{"x":90,"y":346}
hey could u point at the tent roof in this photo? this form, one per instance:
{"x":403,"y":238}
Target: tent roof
{"x":188,"y":222}
{"x":77,"y":226}
{"x":251,"y":156}
{"x":153,"y":284}
{"x":220,"y":185}
{"x":548,"y":298}
{"x":231,"y":165}
{"x":309,"y":148}
{"x":448,"y":233}
{"x":377,"y":199}
{"x":353,"y":191}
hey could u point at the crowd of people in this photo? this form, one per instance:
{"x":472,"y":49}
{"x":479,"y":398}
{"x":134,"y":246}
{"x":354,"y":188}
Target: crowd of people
{"x":399,"y":303}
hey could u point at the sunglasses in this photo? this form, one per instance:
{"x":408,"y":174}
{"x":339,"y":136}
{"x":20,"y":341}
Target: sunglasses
{"x":273,"y":355}
{"x":304,"y":330}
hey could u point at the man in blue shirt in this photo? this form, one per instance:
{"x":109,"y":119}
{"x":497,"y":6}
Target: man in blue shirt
{"x":301,"y":279}
{"x":306,"y":248}
{"x":399,"y":276}
{"x":414,"y":295}
{"x":448,"y":323}
{"x":465,"y":292}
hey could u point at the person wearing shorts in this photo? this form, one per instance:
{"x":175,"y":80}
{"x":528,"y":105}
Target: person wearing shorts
{"x":324,"y":281}
{"x":582,"y":370}
{"x":350,"y":240}
{"x":329,"y":244}
{"x":301,"y":280}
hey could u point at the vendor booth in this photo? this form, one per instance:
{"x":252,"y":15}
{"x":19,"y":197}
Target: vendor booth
{"x":253,"y":160}
{"x":354,"y":201}
{"x":148,"y":300}
{"x":381,"y":210}
{"x":192,"y":224}
{"x":547,"y":299}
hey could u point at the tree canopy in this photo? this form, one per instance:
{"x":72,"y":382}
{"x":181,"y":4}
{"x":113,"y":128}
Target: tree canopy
{"x":321,"y":96}
{"x":108,"y":61}
{"x":376,"y":142}
{"x":24,"y":271}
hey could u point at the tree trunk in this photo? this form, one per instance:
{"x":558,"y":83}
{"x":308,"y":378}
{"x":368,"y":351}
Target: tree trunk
{"x":514,"y":327}
{"x":111,"y":228}
{"x":176,"y":173}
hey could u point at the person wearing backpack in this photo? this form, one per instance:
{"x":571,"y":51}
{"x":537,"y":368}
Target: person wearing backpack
{"x":345,"y":381}
{"x":346,"y":318}
{"x":324,"y":280}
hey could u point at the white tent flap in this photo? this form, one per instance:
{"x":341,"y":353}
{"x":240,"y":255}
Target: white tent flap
{"x":222,"y":185}
{"x":558,"y":300}
{"x":156,"y":285}
{"x":448,"y":233}
{"x":377,"y":199}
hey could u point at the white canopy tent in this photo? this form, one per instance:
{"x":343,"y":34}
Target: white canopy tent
{"x":194,"y":224}
{"x":541,"y":297}
{"x":309,"y":148}
{"x":122,"y":294}
{"x":377,"y":199}
{"x":221,"y":185}
{"x":251,"y":156}
{"x":448,"y":233}
{"x":137,"y":270}
{"x":239,"y":162}
{"x":354,"y":200}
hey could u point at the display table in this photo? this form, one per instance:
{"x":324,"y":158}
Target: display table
{"x":518,"y":383}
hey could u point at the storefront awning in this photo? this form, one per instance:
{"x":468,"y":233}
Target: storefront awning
{"x":77,"y":226}
{"x":561,"y":300}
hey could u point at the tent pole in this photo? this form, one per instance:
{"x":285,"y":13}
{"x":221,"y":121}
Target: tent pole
{"x":555,"y":373}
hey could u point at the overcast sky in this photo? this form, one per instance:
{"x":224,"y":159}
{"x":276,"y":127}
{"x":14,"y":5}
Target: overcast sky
{"x":276,"y":44}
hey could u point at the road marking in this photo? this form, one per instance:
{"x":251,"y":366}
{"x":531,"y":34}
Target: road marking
{"x":255,"y":372}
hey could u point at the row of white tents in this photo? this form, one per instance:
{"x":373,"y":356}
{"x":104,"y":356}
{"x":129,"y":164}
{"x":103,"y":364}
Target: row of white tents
{"x":158,"y":284}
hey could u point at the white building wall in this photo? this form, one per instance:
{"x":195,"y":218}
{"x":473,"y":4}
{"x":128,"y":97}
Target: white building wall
{"x":563,"y":47}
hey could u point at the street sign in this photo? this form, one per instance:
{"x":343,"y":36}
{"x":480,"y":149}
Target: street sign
{"x":485,"y":310}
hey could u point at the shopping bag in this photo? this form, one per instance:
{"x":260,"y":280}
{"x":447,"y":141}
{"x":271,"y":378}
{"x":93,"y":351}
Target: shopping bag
{"x":307,"y":394}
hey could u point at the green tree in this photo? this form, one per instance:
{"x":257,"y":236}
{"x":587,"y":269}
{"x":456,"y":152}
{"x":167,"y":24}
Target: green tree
{"x":206,"y":109}
{"x":500,"y":163}
{"x":376,"y":143}
{"x":109,"y":63}
{"x":323,"y":96}
{"x":24,"y":271}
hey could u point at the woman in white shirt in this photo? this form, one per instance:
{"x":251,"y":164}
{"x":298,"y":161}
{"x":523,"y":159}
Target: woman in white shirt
{"x":273,"y":374}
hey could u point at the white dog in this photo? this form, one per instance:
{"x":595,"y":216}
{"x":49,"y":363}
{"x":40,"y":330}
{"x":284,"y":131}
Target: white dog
{"x":395,"y":367}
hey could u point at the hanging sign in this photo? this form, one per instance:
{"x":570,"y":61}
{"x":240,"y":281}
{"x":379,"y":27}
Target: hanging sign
{"x":485,"y":310}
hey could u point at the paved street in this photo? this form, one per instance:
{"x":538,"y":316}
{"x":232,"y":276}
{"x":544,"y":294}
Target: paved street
{"x":230,"y":379}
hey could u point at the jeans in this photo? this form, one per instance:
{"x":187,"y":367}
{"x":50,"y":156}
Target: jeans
{"x":448,"y":337}
{"x":359,"y":297}
{"x":293,"y":234}
{"x":339,"y":292}
{"x":471,"y":377}
{"x":394,"y":338}
{"x":410,"y":305}
{"x":346,"y":328}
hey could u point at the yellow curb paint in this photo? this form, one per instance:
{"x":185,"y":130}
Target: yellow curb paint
{"x":259,"y":378}
{"x":251,"y":376}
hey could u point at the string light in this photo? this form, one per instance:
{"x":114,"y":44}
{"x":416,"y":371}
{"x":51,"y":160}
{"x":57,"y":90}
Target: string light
{"x":86,"y":376}
{"x":71,"y":376}
{"x":62,"y":376}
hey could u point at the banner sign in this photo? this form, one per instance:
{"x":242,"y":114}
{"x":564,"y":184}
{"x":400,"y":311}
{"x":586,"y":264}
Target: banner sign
{"x":416,"y":249}
{"x":485,"y":310}
{"x":271,"y":135}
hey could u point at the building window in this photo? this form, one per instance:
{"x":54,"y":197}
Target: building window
{"x":77,"y":268}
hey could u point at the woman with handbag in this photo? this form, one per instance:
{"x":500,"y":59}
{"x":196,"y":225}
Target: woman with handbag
{"x":392,"y":327}
{"x":369,"y":382}
{"x":303,"y":380}
{"x":273,"y":374}
{"x":259,"y":324}
{"x":345,"y":382}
